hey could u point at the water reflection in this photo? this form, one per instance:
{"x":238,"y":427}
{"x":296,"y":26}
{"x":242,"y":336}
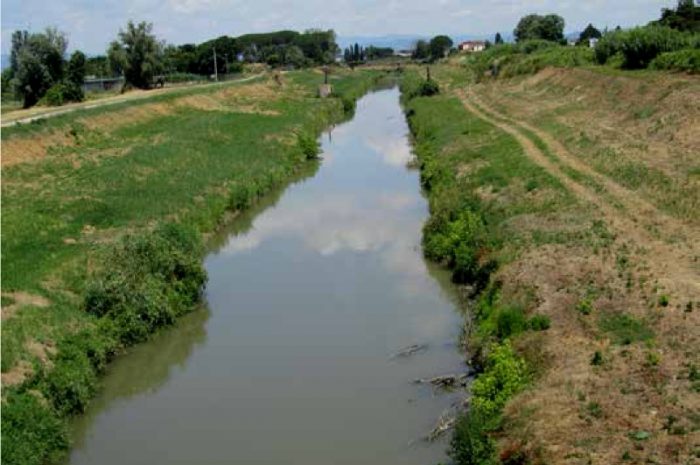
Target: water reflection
{"x":310,"y":295}
{"x":166,"y":352}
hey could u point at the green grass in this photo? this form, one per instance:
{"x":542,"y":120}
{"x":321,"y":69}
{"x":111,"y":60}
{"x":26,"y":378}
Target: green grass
{"x":678,"y":199}
{"x":625,"y":329}
{"x":62,"y":215}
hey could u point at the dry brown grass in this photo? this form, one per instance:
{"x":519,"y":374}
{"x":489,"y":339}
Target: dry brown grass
{"x":15,"y":376}
{"x":21,"y":150}
{"x":554,"y":416}
{"x":22,"y":299}
{"x":576,"y":412}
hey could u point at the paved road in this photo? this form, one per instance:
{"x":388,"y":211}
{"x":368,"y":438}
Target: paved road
{"x":35,"y":113}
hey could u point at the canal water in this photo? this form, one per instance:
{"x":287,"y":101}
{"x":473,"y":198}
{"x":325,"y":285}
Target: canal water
{"x":311,"y":296}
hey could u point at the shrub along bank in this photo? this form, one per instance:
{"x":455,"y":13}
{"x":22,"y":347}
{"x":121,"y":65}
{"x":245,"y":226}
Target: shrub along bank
{"x":466,"y":233}
{"x":143,"y":268}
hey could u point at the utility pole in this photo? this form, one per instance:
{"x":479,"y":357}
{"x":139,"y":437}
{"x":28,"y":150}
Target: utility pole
{"x":216,"y":71}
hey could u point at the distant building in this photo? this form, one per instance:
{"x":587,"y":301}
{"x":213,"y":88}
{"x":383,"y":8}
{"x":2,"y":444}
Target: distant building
{"x":403,"y":53}
{"x":472,"y":46}
{"x":592,"y":42}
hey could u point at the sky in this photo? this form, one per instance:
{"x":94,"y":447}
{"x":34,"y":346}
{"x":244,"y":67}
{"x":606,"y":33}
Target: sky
{"x":92,"y":24}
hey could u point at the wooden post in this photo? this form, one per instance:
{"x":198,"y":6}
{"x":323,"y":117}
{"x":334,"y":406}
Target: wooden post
{"x":324,"y":90}
{"x":216,"y":71}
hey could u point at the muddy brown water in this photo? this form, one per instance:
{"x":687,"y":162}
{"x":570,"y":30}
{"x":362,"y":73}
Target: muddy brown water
{"x":310,"y":295}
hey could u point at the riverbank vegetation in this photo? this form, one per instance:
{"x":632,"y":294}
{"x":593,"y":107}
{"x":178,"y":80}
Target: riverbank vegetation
{"x":561,"y":197}
{"x":465,"y":166}
{"x":671,"y":43}
{"x":103,"y":212}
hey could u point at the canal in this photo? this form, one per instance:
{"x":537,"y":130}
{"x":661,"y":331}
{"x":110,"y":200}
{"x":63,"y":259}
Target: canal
{"x":312,"y":296}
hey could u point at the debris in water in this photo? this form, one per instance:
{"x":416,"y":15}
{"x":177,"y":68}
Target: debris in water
{"x":445,"y":381}
{"x":445,"y":423}
{"x":410,"y":350}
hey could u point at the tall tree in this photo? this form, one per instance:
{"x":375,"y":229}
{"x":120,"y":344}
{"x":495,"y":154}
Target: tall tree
{"x":421,"y":50}
{"x":76,"y":69}
{"x":116,"y":57}
{"x":547,"y":27}
{"x":137,"y":53}
{"x":498,"y":39}
{"x":37,"y":61}
{"x":19,"y":39}
{"x":685,"y":17}
{"x":591,"y":32}
{"x":439,"y":46}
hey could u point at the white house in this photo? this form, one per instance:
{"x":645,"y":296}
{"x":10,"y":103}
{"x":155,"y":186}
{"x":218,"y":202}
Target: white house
{"x":472,"y":46}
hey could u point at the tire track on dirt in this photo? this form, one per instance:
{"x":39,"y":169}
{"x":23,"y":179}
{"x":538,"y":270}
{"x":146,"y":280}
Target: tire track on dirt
{"x":666,"y":225}
{"x":672,"y":267}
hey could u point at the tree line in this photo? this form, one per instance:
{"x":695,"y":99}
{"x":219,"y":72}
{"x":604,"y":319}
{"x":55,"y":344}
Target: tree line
{"x":356,"y":54}
{"x":434,"y":49}
{"x":39,"y":68}
{"x":550,"y":27}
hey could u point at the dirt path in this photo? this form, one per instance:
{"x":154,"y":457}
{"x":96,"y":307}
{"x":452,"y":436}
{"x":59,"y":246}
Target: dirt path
{"x":674,"y":267}
{"x":654,"y":219}
{"x":32,"y":114}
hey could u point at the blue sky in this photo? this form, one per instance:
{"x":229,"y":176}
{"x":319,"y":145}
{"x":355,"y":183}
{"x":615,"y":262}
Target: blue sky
{"x":91,"y":24}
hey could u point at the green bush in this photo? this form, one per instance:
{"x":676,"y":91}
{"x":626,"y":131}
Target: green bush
{"x":597,"y":358}
{"x":72,"y":382}
{"x":535,"y":45}
{"x":61,"y":93}
{"x":585,"y":306}
{"x":640,"y":45}
{"x":412,"y":86}
{"x":428,"y":88}
{"x":461,"y":244}
{"x":471,"y":443}
{"x":309,"y":146}
{"x":509,"y":322}
{"x":504,"y":375}
{"x":687,"y":60}
{"x":151,"y":279}
{"x":32,"y":434}
{"x":348,"y":103}
{"x":539,"y":323}
{"x":625,"y":329}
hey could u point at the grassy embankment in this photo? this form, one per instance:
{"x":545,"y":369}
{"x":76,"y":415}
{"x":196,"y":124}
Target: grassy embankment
{"x":583,"y":275}
{"x":103,"y":211}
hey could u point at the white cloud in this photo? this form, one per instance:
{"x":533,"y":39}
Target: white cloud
{"x":461,"y":13}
